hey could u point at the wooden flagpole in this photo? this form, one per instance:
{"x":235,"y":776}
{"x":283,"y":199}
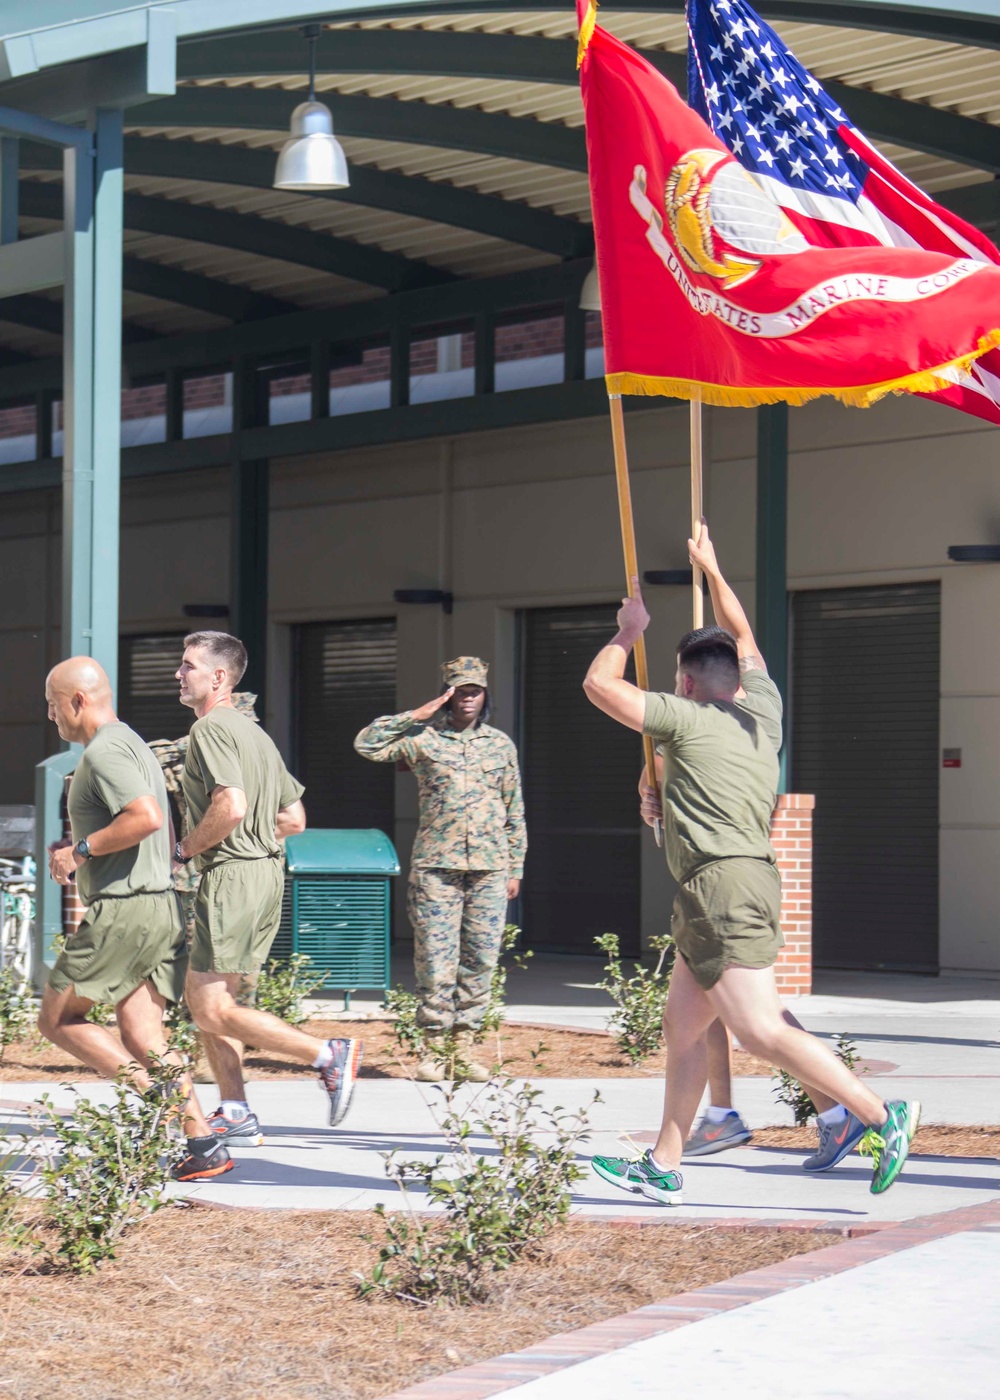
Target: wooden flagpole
{"x":631,"y":570}
{"x":697,"y":511}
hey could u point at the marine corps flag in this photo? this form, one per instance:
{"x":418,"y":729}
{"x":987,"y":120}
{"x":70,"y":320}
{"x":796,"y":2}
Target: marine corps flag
{"x":710,"y":292}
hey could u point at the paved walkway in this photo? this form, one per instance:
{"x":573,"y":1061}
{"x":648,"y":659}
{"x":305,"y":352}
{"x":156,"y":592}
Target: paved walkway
{"x":910,"y":1311}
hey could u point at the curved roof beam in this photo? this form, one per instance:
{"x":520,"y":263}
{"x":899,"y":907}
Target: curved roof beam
{"x":62,"y":31}
{"x":511,"y":58}
{"x":265,"y":237}
{"x":199,"y":292}
{"x":379,"y":119}
{"x":434,"y":200}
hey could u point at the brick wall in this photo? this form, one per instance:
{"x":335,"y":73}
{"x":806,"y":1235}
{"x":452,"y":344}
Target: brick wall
{"x":72,"y":905}
{"x":792,"y":838}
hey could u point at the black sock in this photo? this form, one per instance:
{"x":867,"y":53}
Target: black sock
{"x":201,"y":1146}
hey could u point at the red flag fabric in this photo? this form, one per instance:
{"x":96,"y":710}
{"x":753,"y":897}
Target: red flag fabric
{"x":709,"y":291}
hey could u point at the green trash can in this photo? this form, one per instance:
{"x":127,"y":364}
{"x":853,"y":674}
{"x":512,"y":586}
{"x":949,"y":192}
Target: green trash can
{"x":336,"y":907}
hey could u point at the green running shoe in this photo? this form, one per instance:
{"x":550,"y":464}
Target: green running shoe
{"x":641,"y":1175}
{"x":889,"y":1146}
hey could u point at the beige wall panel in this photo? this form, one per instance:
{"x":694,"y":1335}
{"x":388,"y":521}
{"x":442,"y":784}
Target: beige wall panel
{"x":971,"y":793}
{"x":970,"y":606}
{"x":164,"y":566}
{"x":377,"y":472}
{"x":328,"y":559}
{"x":23,"y":667}
{"x":897,"y":418}
{"x":25,"y":515}
{"x":22,"y":597}
{"x":155,"y":500}
{"x":970,"y":924}
{"x":889,"y":507}
{"x":21,"y":747}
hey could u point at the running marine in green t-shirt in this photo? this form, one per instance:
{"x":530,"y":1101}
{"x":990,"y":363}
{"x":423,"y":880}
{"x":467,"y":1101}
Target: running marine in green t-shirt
{"x":719,"y":784}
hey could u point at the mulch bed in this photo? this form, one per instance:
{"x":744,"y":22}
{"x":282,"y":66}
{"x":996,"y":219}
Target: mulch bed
{"x":930,"y":1141}
{"x":263,"y":1304}
{"x":565,"y":1054}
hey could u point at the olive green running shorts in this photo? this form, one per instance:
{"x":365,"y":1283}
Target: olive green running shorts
{"x":121,"y":943}
{"x":728,"y":914}
{"x":236,"y":915}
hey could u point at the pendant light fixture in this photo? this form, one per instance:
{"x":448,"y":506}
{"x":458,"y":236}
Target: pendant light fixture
{"x":590,"y":292}
{"x":313,"y":159}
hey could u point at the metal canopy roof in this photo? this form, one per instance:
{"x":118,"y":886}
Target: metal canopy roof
{"x":462,"y":123}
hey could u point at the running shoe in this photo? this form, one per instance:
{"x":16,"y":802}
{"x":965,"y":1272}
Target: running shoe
{"x":199,"y":1166}
{"x":836,"y":1140}
{"x":339,"y":1076}
{"x":889,"y":1146}
{"x":709,"y":1137}
{"x":642,"y":1176}
{"x":241,"y":1132}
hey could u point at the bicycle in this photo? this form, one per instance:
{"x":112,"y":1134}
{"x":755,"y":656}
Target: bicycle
{"x":17,"y":918}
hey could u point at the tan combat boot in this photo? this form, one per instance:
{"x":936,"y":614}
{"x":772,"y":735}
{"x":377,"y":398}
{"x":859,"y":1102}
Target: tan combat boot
{"x":435,"y":1065}
{"x":466,"y":1065}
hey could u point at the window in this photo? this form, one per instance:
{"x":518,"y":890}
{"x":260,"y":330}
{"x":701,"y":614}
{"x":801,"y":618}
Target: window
{"x":528,"y":350}
{"x":442,"y":364}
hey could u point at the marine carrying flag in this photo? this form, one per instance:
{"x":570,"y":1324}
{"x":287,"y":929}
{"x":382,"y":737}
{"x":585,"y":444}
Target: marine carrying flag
{"x":710,"y":291}
{"x":803,"y":149}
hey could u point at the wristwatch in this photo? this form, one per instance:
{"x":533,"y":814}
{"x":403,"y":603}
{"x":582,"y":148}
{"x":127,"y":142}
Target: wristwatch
{"x":179,"y":855}
{"x":82,"y":849}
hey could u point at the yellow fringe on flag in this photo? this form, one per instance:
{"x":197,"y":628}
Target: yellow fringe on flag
{"x":586,"y":31}
{"x":857,"y":396}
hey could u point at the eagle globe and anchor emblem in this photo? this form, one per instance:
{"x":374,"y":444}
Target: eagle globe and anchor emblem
{"x":711,"y":200}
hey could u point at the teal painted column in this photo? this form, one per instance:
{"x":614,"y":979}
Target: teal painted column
{"x":78,"y":405}
{"x":772,"y":550}
{"x":92,"y":395}
{"x":250,"y":536}
{"x":107,"y":389}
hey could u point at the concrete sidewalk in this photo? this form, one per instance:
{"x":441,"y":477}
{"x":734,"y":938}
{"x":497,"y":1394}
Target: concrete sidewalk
{"x":304,"y":1164}
{"x":909,"y":1311}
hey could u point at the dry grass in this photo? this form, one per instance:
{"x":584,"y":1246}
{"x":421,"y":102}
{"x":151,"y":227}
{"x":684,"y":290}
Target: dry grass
{"x":565,"y":1054}
{"x":262,"y":1304}
{"x":931,"y":1140}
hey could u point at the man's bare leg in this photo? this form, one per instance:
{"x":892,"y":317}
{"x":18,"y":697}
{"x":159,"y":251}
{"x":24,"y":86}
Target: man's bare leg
{"x":211,"y":997}
{"x":720,"y":1065}
{"x":820,"y":1102}
{"x":686,"y":1018}
{"x":746,"y":999}
{"x":63,"y":1021}
{"x":225,"y":1056}
{"x":140,"y":1024}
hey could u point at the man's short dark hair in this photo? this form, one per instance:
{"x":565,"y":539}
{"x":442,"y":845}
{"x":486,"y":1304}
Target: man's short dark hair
{"x":223,"y":649}
{"x":710,"y":648}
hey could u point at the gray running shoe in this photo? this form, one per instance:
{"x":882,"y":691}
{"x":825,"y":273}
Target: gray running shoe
{"x":711,"y":1137}
{"x":340,"y":1075}
{"x":241,"y":1132}
{"x":836,"y":1140}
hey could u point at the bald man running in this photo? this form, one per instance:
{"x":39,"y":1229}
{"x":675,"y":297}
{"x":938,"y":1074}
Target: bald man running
{"x":129,"y":949}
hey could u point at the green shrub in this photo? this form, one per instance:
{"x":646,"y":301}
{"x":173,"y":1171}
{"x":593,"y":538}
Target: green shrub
{"x":790,"y":1092}
{"x":109,"y":1169}
{"x":637,"y":1020}
{"x":498,"y":982}
{"x":284,"y":984}
{"x":17,"y":1010}
{"x":495,"y":1208}
{"x":411,"y":1036}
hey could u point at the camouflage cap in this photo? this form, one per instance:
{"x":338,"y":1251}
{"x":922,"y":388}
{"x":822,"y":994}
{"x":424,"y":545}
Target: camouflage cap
{"x":465,"y":670}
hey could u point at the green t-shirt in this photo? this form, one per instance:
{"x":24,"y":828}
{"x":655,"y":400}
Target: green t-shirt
{"x":720,"y":774}
{"x":115,"y":768}
{"x":226,"y":749}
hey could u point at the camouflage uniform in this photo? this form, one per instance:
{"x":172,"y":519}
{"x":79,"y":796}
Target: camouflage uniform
{"x":470,"y":841}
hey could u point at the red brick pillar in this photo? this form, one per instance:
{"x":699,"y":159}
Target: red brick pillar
{"x":792,"y":838}
{"x":72,"y":905}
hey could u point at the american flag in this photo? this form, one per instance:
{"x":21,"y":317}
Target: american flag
{"x":804,"y":150}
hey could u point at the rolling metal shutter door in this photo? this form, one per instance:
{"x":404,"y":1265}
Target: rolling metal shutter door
{"x":345,"y":678}
{"x":580,"y":774}
{"x":865,"y":708}
{"x":148,"y":688}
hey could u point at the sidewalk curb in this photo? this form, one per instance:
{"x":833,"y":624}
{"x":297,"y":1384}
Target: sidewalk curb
{"x":493,"y":1377}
